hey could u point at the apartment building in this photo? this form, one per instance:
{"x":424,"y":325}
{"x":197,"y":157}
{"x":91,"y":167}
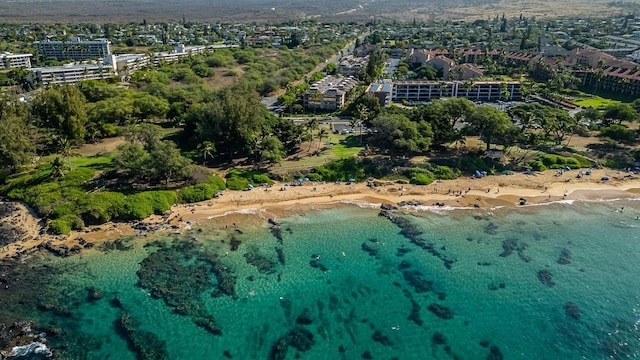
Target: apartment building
{"x":11,"y":61}
{"x":420,"y":91}
{"x":180,"y":51}
{"x":382,"y":91}
{"x":74,"y":49}
{"x":328,"y":94}
{"x":72,"y":74}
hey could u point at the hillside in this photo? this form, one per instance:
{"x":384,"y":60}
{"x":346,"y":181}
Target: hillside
{"x":278,"y":10}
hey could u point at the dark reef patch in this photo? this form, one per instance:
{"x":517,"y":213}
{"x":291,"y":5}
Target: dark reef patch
{"x":179,"y":275}
{"x":145,"y":344}
{"x":441,"y":311}
{"x":545,"y":277}
{"x":261,"y":262}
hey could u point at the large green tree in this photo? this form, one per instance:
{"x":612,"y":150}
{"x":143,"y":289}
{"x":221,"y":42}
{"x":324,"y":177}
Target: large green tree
{"x":397,"y":133}
{"x":17,"y":147}
{"x":62,"y":108}
{"x":489,"y":123}
{"x":230,"y":121}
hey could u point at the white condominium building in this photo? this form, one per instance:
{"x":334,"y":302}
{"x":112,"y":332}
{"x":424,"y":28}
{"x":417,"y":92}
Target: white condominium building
{"x":72,"y":74}
{"x":74,"y":49}
{"x":10,"y":61}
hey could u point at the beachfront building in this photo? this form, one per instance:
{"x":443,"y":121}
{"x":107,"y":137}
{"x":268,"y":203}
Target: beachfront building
{"x":328,"y":94}
{"x":12,"y":61}
{"x":422,"y":91}
{"x":74,"y":49}
{"x":72,"y":74}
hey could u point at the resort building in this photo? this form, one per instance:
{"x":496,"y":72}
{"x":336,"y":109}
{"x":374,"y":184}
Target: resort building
{"x":72,"y":74}
{"x":11,"y":61}
{"x":127,"y":64}
{"x":179,"y":52}
{"x":422,"y":91}
{"x":74,"y":49}
{"x":351,"y":65}
{"x":328,"y":94}
{"x":382,"y":91}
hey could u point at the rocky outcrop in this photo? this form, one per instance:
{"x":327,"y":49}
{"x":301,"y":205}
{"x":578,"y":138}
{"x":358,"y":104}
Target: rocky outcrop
{"x":34,"y":350}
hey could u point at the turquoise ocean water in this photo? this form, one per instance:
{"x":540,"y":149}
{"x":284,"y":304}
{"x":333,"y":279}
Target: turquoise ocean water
{"x":543,"y":282}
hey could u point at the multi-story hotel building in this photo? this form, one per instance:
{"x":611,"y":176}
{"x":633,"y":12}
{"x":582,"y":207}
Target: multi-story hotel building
{"x":328,"y":94}
{"x":422,"y":91}
{"x":74,"y":49}
{"x":72,"y":74}
{"x":10,"y":61}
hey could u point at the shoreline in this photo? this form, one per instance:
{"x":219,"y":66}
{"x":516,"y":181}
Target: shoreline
{"x":270,"y":202}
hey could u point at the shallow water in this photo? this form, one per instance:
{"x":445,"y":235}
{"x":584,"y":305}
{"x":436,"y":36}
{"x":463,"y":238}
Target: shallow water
{"x":370,"y":289}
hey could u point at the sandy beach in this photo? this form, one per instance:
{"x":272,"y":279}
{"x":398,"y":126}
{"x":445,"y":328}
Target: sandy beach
{"x":489,"y":191}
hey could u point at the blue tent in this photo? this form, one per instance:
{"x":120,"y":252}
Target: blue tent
{"x":352,"y":180}
{"x":305,"y":179}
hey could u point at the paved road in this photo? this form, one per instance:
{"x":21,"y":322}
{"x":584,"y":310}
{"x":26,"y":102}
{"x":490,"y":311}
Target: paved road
{"x":271,"y":101}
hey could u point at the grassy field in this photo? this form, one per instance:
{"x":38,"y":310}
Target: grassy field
{"x":594,"y":101}
{"x":336,"y":147}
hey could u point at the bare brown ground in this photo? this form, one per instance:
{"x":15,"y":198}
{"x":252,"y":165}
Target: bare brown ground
{"x":102,"y":146}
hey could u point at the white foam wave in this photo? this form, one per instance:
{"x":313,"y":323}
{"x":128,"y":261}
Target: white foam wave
{"x":236,"y":212}
{"x":362,"y":204}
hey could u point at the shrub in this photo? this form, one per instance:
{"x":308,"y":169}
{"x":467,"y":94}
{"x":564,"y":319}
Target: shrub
{"x":237,"y":183}
{"x":314,"y":177}
{"x":60,"y":227}
{"x":101,"y":207}
{"x":421,"y":179}
{"x":66,"y":208}
{"x":218,"y":182}
{"x":446,"y":173}
{"x":200,"y":192}
{"x":77,"y":177}
{"x":537,"y":165}
{"x":618,"y":132}
{"x":261,"y":179}
{"x":144,"y":204}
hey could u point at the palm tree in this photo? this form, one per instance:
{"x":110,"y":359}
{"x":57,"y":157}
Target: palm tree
{"x":312,"y":125}
{"x":321,"y":135}
{"x":67,"y":151}
{"x":57,"y":168}
{"x":207,"y":147}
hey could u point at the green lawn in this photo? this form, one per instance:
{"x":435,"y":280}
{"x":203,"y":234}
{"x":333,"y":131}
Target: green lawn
{"x":596,"y":102}
{"x":96,"y":162}
{"x":335,"y":147}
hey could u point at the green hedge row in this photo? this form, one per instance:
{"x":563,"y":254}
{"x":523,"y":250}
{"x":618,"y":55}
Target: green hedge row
{"x":240,"y":179}
{"x":202,"y":192}
{"x":550,"y":161}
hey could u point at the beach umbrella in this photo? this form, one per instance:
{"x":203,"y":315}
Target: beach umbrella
{"x":352,"y":180}
{"x":250,"y":186}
